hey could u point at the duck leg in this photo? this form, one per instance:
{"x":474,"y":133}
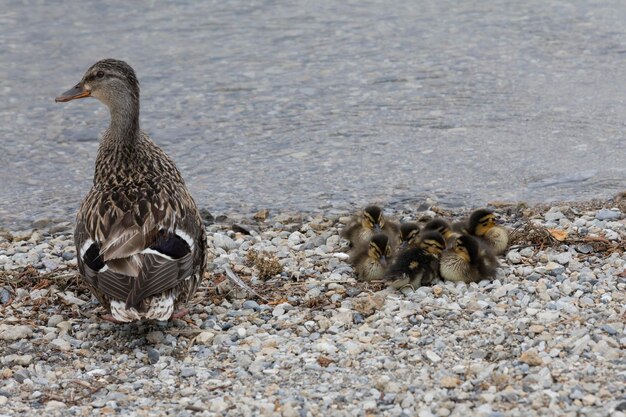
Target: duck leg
{"x":180,"y":313}
{"x":109,"y":317}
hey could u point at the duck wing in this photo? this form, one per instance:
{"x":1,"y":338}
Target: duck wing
{"x":131,"y":249}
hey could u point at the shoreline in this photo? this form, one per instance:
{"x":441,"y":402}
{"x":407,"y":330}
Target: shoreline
{"x":546,"y":336}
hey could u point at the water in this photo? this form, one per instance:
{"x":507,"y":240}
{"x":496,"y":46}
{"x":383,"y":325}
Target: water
{"x":272,"y":104}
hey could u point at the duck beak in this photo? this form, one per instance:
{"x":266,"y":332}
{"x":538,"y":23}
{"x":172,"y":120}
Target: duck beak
{"x":78,"y":91}
{"x":383,"y":260}
{"x":377,"y":228}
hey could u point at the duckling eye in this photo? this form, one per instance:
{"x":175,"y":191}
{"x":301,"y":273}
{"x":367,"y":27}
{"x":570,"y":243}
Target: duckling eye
{"x":100,"y":74}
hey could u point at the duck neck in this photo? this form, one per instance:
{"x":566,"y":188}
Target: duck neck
{"x":124,"y":125}
{"x":119,"y":155}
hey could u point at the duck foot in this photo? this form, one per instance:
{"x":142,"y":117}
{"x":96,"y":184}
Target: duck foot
{"x":109,"y":317}
{"x":179,"y":313}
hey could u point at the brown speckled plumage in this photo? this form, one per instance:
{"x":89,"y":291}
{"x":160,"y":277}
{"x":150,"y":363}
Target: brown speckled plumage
{"x":139,"y":236}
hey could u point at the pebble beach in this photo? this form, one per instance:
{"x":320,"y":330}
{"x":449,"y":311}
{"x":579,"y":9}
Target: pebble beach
{"x":546,"y":337}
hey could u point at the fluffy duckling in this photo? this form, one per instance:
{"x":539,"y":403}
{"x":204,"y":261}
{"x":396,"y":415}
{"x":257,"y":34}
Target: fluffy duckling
{"x":440,"y":225}
{"x":417,"y":266}
{"x":370,"y":222}
{"x":409,"y":235}
{"x":482,"y":224}
{"x":468,"y":261}
{"x":370,"y":260}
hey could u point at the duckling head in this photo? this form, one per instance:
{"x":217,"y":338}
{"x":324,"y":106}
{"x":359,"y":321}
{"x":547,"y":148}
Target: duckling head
{"x":433,"y":243}
{"x":373,"y":218}
{"x":481,"y":221}
{"x":466,"y":247}
{"x":111,"y":81}
{"x":409,"y":234}
{"x":379,"y":249}
{"x":439,"y":225}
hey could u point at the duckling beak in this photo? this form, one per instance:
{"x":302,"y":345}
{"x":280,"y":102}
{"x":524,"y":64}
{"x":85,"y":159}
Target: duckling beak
{"x":78,"y":91}
{"x":377,"y":228}
{"x":383,"y":260}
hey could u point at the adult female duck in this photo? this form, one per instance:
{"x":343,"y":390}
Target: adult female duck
{"x":139,"y":236}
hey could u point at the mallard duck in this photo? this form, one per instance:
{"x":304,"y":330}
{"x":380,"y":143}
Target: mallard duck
{"x":467,"y":260}
{"x":440,"y":225}
{"x":370,"y":261}
{"x":369,"y":222}
{"x":482,"y":224}
{"x":409,"y":235}
{"x":417,"y":266}
{"x":139,"y":235}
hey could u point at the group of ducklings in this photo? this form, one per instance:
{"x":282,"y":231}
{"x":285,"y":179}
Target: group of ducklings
{"x":412,"y":255}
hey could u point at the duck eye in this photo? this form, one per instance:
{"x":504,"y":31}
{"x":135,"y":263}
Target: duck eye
{"x":100,"y":74}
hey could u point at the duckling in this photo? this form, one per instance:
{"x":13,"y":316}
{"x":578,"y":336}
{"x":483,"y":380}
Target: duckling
{"x":139,"y":236}
{"x":409,"y":235}
{"x":468,"y":261}
{"x":440,"y":225}
{"x":482,"y":224}
{"x":417,"y":266}
{"x":367,"y":224}
{"x":370,"y":261}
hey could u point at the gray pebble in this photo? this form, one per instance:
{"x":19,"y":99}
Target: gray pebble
{"x":187,"y":372}
{"x":21,"y":375}
{"x":5,"y":295}
{"x":153,"y":355}
{"x":606,"y":214}
{"x":54,"y":320}
{"x":251,"y":304}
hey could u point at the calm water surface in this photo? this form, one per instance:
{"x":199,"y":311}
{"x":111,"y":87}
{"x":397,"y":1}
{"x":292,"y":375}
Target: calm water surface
{"x":298,"y":106}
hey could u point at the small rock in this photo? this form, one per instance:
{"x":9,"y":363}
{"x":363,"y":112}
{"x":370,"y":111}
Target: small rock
{"x":369,"y":304}
{"x":526,"y":252}
{"x":21,"y":375}
{"x":22,"y":360}
{"x":581,"y":344}
{"x":563,"y":258}
{"x":187,"y":372}
{"x":237,"y":228}
{"x":9,"y":332}
{"x":606,"y":214}
{"x":207,"y":217}
{"x":449,"y":382}
{"x":5,"y":296}
{"x":514,"y":257}
{"x":548,"y":316}
{"x":224,"y":242}
{"x":54,"y":320}
{"x":155,"y":337}
{"x":326,"y":347}
{"x":262,"y":215}
{"x":432,"y":356}
{"x":553,"y":215}
{"x":589,"y":399}
{"x":584,"y":248}
{"x":531,"y":358}
{"x":54,"y":405}
{"x":554,"y":268}
{"x":251,"y":304}
{"x":61,"y":344}
{"x":205,"y":338}
{"x":49,"y":264}
{"x":153,"y":355}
